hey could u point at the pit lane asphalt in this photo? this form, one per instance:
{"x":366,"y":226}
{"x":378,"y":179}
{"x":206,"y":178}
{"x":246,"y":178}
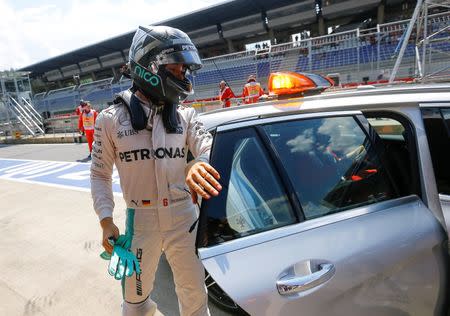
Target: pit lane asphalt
{"x":50,"y":246}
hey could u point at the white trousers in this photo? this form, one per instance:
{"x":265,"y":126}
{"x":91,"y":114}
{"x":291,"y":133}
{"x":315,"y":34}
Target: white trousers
{"x":179,"y":247}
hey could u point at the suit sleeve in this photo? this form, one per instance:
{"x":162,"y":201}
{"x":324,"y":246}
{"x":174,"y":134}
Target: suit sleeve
{"x":102,"y":167}
{"x":199,"y":140}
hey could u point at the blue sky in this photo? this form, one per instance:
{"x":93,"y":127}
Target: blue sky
{"x":33,"y":31}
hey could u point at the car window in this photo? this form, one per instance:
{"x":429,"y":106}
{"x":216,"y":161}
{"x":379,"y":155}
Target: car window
{"x":253,"y":198}
{"x":387,"y":127}
{"x":331,"y":164}
{"x":438,"y":134}
{"x":398,"y":150}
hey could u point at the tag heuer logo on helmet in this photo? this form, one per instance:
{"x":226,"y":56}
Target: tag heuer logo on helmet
{"x":147,"y":76}
{"x":188,"y":47}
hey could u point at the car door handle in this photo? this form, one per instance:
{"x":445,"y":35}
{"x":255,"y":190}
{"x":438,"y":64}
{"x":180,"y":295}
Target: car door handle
{"x":292,"y":285}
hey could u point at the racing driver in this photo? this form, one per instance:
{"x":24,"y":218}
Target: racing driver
{"x":147,"y":135}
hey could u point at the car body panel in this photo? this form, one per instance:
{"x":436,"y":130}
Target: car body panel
{"x":372,"y":277}
{"x":387,"y":258}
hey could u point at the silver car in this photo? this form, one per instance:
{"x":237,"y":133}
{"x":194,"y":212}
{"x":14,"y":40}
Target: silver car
{"x":335,"y":204}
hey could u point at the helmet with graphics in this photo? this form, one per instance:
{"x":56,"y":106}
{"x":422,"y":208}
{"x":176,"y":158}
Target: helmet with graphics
{"x":153,"y":48}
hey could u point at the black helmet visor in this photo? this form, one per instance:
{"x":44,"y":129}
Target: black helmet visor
{"x":189,"y":58}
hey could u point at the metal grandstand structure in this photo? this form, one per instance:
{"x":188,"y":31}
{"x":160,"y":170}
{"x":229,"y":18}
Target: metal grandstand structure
{"x":430,"y":45}
{"x":353,"y":57}
{"x":431,"y":42}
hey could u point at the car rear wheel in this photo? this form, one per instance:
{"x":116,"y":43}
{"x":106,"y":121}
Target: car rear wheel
{"x":220,"y":298}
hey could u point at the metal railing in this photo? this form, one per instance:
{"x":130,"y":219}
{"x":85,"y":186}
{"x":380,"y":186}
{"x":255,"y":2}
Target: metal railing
{"x":25,"y":113}
{"x":19,"y":118}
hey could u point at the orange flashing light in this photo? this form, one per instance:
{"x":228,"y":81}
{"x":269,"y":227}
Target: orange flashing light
{"x":288,"y":82}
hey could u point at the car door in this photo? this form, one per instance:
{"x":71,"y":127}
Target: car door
{"x":436,"y":118}
{"x":310,"y":222}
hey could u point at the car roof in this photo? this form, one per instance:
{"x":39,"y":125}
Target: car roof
{"x":335,"y":100}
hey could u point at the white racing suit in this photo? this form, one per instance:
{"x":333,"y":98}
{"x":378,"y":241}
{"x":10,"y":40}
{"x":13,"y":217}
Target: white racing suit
{"x":151,"y":166}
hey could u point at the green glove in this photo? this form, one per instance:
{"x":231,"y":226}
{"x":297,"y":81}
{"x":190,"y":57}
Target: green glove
{"x":123,"y":241}
{"x":123,"y":263}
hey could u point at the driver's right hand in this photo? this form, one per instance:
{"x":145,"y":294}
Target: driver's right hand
{"x":110,"y":230}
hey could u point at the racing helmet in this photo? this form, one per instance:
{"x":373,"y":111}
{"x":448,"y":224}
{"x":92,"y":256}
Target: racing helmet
{"x":251,"y":78}
{"x":153,"y":48}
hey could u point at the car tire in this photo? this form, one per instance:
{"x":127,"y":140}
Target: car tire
{"x":219,"y":298}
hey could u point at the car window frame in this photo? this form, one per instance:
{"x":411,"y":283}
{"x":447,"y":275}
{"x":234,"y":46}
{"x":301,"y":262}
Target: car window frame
{"x":320,"y":221}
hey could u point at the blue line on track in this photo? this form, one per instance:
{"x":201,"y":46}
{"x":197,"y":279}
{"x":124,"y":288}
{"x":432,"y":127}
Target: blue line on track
{"x":56,"y":173}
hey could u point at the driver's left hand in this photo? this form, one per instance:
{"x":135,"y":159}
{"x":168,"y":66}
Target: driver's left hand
{"x":202,"y":180}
